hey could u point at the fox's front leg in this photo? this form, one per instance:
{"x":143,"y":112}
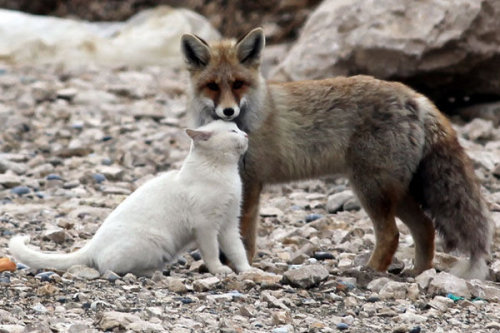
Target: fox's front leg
{"x":249,"y":216}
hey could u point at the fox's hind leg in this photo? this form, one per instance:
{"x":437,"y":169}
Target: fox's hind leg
{"x":422,"y":231}
{"x":249,"y":216}
{"x":381,"y":208}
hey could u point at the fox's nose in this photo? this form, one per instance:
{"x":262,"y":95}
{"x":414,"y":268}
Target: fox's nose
{"x":228,"y":112}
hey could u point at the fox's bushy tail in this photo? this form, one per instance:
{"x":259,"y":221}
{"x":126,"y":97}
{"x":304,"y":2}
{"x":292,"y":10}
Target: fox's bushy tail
{"x":36,"y":259}
{"x":447,"y":188}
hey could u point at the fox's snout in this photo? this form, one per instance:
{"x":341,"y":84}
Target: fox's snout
{"x":227,"y":113}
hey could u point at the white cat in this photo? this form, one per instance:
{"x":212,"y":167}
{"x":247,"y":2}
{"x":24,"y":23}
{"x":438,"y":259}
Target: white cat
{"x":200,"y":203}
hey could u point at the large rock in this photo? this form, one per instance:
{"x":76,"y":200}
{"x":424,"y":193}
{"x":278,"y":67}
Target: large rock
{"x":453,"y":45}
{"x":149,"y":37}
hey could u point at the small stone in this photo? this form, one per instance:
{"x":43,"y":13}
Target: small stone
{"x":111,"y":172}
{"x":247,"y":311}
{"x":415,"y":329}
{"x":318,"y":255}
{"x":206,"y":284}
{"x":53,"y":176}
{"x":84,"y":272}
{"x":377,"y":284}
{"x":493,"y":326}
{"x":496,"y":171}
{"x":110,"y":276}
{"x":195,"y":255}
{"x":272,"y":301}
{"x":281,"y":317}
{"x":186,"y":300}
{"x":67,"y":93}
{"x":20,"y":190}
{"x":45,"y":276}
{"x":115,"y":190}
{"x":424,"y":279}
{"x":352,"y":205}
{"x":306,"y":276}
{"x":270,"y":212}
{"x":116,"y":320}
{"x":313,"y":217}
{"x":58,"y":235}
{"x":342,"y":326}
{"x":39,"y":308}
{"x":393,"y":290}
{"x":47,"y":290}
{"x":283,"y":329}
{"x":444,"y":283}
{"x":336,"y":201}
{"x":260,"y":277}
{"x":176,"y":285}
{"x":99,"y":178}
{"x":9,"y":180}
{"x":302,"y":254}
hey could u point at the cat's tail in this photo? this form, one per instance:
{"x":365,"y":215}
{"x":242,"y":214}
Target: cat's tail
{"x":36,"y":259}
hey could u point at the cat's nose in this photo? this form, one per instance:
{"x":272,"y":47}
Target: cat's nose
{"x":228,"y":112}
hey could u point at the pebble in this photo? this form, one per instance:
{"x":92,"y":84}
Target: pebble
{"x":336,"y":201}
{"x":110,"y":276}
{"x":342,"y":326}
{"x":206,"y":283}
{"x":313,"y":217}
{"x":444,"y":283}
{"x":45,"y":276}
{"x":84,"y":272}
{"x":9,"y":180}
{"x":53,"y":177}
{"x":20,"y":190}
{"x":306,"y":277}
{"x":99,"y":177}
{"x":319,"y":255}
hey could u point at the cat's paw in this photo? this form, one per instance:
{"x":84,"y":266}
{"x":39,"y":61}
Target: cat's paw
{"x":221,"y":270}
{"x":245,"y":268}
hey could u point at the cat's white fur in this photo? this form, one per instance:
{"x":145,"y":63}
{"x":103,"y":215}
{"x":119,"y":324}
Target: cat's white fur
{"x":199,"y":203}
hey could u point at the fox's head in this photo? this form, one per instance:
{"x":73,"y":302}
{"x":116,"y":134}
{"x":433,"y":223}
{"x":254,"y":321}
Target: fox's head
{"x":225,"y":77}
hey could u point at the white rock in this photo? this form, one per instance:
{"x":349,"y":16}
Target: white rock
{"x":393,"y":290}
{"x":205,"y":284}
{"x":424,"y":279}
{"x":444,"y":283}
{"x":377,"y":284}
{"x":337,"y":200}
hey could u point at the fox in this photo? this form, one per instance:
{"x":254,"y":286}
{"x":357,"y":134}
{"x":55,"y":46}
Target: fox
{"x":399,"y":153}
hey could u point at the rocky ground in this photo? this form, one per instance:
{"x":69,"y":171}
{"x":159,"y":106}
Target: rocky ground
{"x":76,"y":142}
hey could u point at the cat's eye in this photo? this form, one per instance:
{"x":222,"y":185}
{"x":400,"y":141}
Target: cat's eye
{"x":237,"y":84}
{"x":234,"y":131}
{"x":213,"y":86}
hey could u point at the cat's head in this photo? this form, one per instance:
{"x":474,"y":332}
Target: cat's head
{"x":219,"y":137}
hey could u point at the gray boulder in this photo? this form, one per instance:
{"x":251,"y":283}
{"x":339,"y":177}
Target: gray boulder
{"x":451,"y":45}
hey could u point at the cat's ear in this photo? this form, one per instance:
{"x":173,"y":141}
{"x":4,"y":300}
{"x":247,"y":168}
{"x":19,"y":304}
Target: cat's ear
{"x":249,"y":47}
{"x":198,"y":135}
{"x":195,"y":50}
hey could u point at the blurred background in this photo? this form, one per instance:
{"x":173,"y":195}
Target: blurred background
{"x":449,"y":50}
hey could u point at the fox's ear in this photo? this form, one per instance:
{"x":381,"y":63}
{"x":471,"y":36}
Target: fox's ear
{"x":195,"y":50}
{"x":249,"y":47}
{"x":198,"y":135}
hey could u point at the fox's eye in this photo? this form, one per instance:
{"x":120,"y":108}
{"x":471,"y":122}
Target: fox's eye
{"x":213,"y":86}
{"x":237,"y":84}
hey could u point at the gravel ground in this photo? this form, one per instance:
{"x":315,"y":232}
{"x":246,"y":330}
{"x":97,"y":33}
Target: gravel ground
{"x":75,"y":142}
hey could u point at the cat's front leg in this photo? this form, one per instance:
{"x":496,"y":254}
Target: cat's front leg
{"x":232,"y":247}
{"x":206,"y":239}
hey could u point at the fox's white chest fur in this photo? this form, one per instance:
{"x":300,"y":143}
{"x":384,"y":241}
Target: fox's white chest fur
{"x":199,"y":203}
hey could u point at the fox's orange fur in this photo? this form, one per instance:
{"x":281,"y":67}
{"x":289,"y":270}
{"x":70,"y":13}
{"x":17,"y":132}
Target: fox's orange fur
{"x":400,"y":154}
